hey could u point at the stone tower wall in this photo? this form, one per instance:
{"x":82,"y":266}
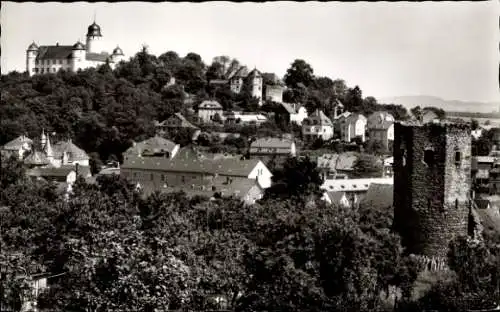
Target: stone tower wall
{"x":431,"y":199}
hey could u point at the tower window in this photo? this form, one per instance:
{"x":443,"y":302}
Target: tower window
{"x":458,"y":158}
{"x":456,"y":203}
{"x":429,"y":157}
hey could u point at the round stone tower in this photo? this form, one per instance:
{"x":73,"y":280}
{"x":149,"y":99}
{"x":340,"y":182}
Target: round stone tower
{"x":94,"y":39}
{"x":31,"y":54}
{"x":78,"y":56}
{"x":432,"y":184}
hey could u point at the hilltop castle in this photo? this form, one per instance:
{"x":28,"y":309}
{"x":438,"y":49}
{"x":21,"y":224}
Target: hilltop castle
{"x":51,"y":58}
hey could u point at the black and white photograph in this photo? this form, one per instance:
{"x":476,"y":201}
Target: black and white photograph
{"x":250,"y":157}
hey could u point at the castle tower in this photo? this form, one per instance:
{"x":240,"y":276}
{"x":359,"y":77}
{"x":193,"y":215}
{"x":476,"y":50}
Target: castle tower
{"x":78,"y":56}
{"x":432,"y":183}
{"x":31,"y":54}
{"x":117,"y":56}
{"x":94,"y":39}
{"x":255,"y":81}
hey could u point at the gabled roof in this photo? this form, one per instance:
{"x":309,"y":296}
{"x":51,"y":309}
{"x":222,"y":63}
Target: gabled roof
{"x":379,"y":196}
{"x":76,"y":153}
{"x":272,"y":143}
{"x":227,"y":167}
{"x":289,"y":108}
{"x":241,"y":73}
{"x":54,"y":52}
{"x":320,"y":117}
{"x":344,"y":115}
{"x":210,"y":105}
{"x":335,"y":197}
{"x":155,"y":144}
{"x":17,"y":143}
{"x":355,"y":117}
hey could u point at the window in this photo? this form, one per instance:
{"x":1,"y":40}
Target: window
{"x":183,"y":179}
{"x":429,"y":157}
{"x":162,"y":177}
{"x":42,"y":70}
{"x":152,"y":177}
{"x":456,"y":203}
{"x":458,"y":158}
{"x":429,"y":203}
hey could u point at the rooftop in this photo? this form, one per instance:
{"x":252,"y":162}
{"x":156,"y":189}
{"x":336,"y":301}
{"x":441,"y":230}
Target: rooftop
{"x":272,"y":143}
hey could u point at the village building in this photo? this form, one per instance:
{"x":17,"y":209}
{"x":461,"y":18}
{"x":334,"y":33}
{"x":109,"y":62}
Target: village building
{"x":381,"y":128}
{"x":336,"y":166}
{"x":154,"y":147}
{"x":242,"y":118}
{"x":428,"y":116}
{"x":317,"y":126}
{"x":207,"y":111}
{"x":353,"y":127}
{"x":341,"y":199}
{"x":253,"y":82}
{"x":274,"y":93}
{"x":52,"y":58}
{"x":339,"y":122}
{"x":354,"y":188}
{"x":273,"y":147}
{"x":19,"y":147}
{"x":292,"y":113}
{"x":191,"y":169}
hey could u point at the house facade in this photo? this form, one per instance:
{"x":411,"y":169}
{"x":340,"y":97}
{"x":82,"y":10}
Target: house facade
{"x":381,"y":128}
{"x":273,"y":147}
{"x":252,"y":81}
{"x":208,"y":109}
{"x":274,"y":93}
{"x":293,"y":113}
{"x":317,"y":125}
{"x":177,"y":120}
{"x":51,"y":58}
{"x":244,"y":118}
{"x":354,"y":126}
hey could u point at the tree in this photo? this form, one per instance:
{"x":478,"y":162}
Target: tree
{"x":474,"y":124}
{"x":367,"y":166}
{"x":298,"y":178}
{"x":299,"y":72}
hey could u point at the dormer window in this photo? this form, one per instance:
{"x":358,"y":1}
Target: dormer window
{"x":458,"y":158}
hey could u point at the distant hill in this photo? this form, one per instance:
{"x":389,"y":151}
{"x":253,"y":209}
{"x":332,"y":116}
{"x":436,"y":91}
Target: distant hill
{"x":447,"y":105}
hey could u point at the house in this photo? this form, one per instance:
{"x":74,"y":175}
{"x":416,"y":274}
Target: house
{"x":316,"y":126}
{"x":154,"y":146}
{"x":353,"y":127}
{"x":381,"y":128}
{"x":18,"y":147}
{"x":378,"y":196}
{"x":208,"y":109}
{"x":481,"y":166}
{"x":336,"y":166}
{"x":244,"y":118}
{"x":388,"y":167}
{"x":293,"y":113}
{"x":67,"y":153}
{"x":175,"y":121}
{"x":190,"y":168}
{"x":273,"y":147}
{"x":274,"y":93}
{"x":340,"y":198}
{"x":252,"y":81}
{"x":338,"y":109}
{"x":339,"y":122}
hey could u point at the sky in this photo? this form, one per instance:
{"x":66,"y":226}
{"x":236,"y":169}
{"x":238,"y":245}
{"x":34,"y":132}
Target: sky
{"x":444,"y":49}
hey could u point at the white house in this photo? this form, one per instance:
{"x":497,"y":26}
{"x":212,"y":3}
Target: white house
{"x":208,"y":109}
{"x":340,"y":198}
{"x":354,"y":126}
{"x":353,"y":185}
{"x":244,"y":118}
{"x":52,"y":58}
{"x":317,"y":125}
{"x":273,"y":146}
{"x":296,"y":113}
{"x":381,"y":128}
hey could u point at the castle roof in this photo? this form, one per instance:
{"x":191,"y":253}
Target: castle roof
{"x":33,"y":47}
{"x":55,"y":52}
{"x":117,"y":51}
{"x":36,"y":158}
{"x":94,"y":30}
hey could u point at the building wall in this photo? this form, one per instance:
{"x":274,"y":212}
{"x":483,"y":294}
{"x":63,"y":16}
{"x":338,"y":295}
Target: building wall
{"x":262,"y":175}
{"x":274,"y":93}
{"x":317,"y":131}
{"x":300,"y":116}
{"x":207,"y":114}
{"x":431,"y":205}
